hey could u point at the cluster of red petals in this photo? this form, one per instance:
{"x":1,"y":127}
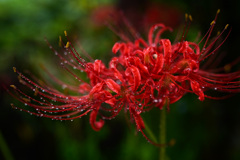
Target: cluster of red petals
{"x":146,"y":74}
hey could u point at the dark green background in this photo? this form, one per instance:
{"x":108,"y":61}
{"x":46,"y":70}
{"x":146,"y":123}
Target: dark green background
{"x":203,"y":130}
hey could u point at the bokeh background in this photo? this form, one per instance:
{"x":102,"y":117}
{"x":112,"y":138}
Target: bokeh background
{"x":202,"y":130}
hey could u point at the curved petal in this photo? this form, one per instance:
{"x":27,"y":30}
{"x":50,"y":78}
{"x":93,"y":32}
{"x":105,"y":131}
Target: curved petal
{"x":97,"y":88}
{"x":197,"y":90}
{"x":134,"y":77}
{"x":113,"y":85}
{"x":167,"y":50}
{"x":96,"y":125}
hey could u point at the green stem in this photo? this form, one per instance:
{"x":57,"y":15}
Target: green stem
{"x":162,"y":134}
{"x":5,"y":150}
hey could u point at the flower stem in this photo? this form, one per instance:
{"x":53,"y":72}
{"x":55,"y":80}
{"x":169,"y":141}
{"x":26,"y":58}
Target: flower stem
{"x":162,"y":134}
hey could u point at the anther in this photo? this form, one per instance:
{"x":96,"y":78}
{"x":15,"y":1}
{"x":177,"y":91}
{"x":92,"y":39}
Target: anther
{"x":60,"y":41}
{"x":213,"y":22}
{"x":190,"y":17}
{"x":14,"y":69}
{"x":26,"y":100}
{"x":65,"y":33}
{"x":12,"y":105}
{"x":227,"y":68}
{"x":67,"y":45}
{"x":13,"y":86}
{"x":186,"y":16}
{"x":226,"y":26}
{"x":36,"y":92}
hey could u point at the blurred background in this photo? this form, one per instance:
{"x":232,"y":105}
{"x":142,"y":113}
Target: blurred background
{"x":202,"y":130}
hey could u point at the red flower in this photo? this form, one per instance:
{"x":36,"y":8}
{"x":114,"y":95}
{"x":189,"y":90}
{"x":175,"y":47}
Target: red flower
{"x":144,"y":75}
{"x":167,"y":71}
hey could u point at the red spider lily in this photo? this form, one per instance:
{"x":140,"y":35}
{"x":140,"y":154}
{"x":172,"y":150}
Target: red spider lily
{"x":159,"y":72}
{"x":144,"y":75}
{"x":168,"y":71}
